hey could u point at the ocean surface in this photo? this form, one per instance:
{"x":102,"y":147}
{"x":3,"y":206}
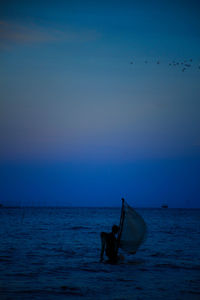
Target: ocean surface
{"x":53,"y":253}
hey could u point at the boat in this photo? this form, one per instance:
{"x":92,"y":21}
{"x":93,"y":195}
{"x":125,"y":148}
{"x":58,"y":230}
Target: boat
{"x":132,"y":229}
{"x":164,"y":206}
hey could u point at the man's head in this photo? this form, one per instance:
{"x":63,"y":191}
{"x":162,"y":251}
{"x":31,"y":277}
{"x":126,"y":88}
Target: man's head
{"x":115,"y":229}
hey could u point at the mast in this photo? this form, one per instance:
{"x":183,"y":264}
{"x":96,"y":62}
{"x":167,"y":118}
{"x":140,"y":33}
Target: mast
{"x":121,"y":224}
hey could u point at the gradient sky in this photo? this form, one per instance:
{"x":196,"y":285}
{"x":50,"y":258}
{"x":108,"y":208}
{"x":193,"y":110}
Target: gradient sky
{"x":82,"y":125}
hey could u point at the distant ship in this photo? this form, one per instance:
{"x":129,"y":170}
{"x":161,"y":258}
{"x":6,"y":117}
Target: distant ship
{"x":164,"y":206}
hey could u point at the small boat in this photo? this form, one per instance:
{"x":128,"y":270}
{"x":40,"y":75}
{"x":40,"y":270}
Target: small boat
{"x":164,"y":206}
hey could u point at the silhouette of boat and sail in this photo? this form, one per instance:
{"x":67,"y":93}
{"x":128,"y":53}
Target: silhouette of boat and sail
{"x":132,"y":229}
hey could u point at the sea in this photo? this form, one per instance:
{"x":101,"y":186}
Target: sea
{"x":54,"y":253}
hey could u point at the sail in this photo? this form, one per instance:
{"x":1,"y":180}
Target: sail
{"x":132,"y":229}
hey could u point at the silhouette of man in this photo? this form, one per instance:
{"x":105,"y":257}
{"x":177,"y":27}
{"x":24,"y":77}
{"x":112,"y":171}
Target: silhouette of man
{"x":109,"y":244}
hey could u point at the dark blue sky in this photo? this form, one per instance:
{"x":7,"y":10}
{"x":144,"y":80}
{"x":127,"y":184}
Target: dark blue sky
{"x":99,"y":100}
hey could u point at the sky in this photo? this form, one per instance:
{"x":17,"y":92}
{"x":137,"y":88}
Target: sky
{"x":100,"y":100}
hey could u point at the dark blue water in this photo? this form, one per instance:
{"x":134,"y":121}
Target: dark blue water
{"x":53,"y":253}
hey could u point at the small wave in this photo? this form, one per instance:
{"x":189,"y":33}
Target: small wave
{"x":74,"y":291}
{"x":194,"y":292}
{"x":139,"y":288}
{"x":11,"y":249}
{"x":125,"y":280}
{"x":59,"y":270}
{"x":167,"y":232}
{"x":89,"y":270}
{"x":31,"y":291}
{"x":194,"y":268}
{"x":68,"y":288}
{"x":65,"y":252}
{"x":158,"y":254}
{"x":43,"y":229}
{"x":191,"y":292}
{"x":5,"y":258}
{"x":179,"y":250}
{"x":194,"y":281}
{"x":78,"y":227}
{"x":135,"y":262}
{"x":31,"y":274}
{"x":64,"y":290}
{"x":174,"y":266}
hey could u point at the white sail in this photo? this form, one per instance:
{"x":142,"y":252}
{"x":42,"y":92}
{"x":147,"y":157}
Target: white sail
{"x":132,"y":229}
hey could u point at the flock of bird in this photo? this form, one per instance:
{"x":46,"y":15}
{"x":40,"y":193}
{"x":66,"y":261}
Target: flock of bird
{"x":183,"y":64}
